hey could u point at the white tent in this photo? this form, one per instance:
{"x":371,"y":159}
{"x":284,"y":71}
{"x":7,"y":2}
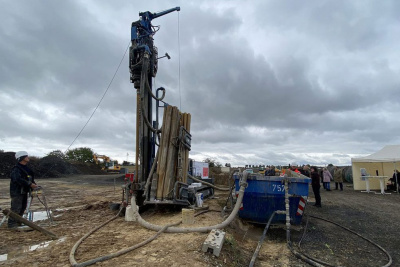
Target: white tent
{"x":381,"y":163}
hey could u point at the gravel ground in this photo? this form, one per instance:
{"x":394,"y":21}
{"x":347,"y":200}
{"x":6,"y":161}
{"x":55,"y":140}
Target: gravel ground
{"x":83,"y":202}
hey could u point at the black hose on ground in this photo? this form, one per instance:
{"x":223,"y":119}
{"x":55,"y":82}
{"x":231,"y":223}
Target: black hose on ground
{"x":317,"y":262}
{"x":390,"y":260}
{"x":123,"y":251}
{"x":255,"y":255}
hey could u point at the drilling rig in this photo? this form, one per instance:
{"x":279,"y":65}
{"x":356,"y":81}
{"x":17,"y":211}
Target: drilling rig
{"x":161,"y":161}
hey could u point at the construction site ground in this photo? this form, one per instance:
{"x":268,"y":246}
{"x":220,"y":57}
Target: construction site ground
{"x":80,"y":203}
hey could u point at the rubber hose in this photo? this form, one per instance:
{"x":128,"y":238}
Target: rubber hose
{"x":253,"y":259}
{"x":151,"y":93}
{"x":366,"y":239}
{"x":317,"y":262}
{"x":143,"y":83}
{"x":123,"y":251}
{"x":146,"y":187}
{"x":211,"y":185}
{"x":147,"y":225}
{"x":74,"y":248}
{"x":305,"y":258}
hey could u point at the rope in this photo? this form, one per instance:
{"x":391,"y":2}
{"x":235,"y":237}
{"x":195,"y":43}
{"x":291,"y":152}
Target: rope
{"x":94,"y":111}
{"x":179,"y":66}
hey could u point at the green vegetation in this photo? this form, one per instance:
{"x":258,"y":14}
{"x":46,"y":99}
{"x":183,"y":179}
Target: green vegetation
{"x":81,"y":154}
{"x":212,"y":163}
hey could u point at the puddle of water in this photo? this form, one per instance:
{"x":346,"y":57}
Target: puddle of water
{"x":17,"y":252}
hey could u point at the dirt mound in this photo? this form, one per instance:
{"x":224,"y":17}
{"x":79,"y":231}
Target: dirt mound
{"x":7,"y":161}
{"x":52,"y":166}
{"x":88,"y":168}
{"x":49,"y":166}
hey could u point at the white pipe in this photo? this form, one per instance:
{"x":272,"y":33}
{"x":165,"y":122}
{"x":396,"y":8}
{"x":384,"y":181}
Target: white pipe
{"x":141,"y":221}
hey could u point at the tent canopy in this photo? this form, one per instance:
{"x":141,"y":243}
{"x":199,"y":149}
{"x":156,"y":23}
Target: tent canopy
{"x":389,"y":153}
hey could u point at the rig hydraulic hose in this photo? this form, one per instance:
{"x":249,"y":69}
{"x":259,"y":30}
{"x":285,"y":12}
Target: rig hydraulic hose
{"x":144,"y":84}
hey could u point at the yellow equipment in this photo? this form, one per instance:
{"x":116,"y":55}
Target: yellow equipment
{"x":109,"y":165}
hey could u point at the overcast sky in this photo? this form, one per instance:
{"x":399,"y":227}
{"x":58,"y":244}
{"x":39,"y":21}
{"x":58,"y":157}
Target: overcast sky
{"x":266,"y":82}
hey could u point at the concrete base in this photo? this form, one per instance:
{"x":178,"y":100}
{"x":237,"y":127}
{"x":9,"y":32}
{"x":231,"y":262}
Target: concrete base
{"x":214,"y":242}
{"x":129,"y":214}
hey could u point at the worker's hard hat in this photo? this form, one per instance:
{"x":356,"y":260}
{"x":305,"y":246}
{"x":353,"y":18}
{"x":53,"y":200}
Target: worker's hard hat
{"x":20,"y":155}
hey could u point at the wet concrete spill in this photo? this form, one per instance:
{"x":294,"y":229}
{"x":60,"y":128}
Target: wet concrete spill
{"x":21,"y":250}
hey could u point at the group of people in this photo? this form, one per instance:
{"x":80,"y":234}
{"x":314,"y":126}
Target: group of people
{"x":270,"y":171}
{"x":326,"y":181}
{"x":317,"y":176}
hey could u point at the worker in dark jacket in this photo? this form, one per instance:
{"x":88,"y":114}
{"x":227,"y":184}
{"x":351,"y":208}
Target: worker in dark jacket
{"x":315,"y":183}
{"x":22,"y":182}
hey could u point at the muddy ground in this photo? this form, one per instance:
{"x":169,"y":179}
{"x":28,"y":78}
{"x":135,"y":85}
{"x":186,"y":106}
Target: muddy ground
{"x":80,"y":203}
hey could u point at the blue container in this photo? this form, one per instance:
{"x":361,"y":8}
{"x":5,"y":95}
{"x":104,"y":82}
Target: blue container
{"x":266,"y":194}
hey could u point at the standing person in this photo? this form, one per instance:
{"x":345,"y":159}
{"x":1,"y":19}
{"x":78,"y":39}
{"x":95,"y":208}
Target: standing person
{"x":305,"y":171}
{"x":327,"y":177}
{"x":22,"y":181}
{"x":271,"y":171}
{"x":393,"y":181}
{"x":315,"y":178}
{"x":337,"y":177}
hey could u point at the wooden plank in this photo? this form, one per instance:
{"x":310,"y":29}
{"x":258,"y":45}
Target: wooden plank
{"x":164,"y":151}
{"x":186,"y":166}
{"x":183,"y":150}
{"x":170,"y":177}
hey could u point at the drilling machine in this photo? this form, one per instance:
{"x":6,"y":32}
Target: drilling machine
{"x":143,"y":66}
{"x":146,"y":182}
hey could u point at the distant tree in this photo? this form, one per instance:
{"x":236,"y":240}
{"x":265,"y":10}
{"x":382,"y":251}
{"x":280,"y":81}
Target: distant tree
{"x":57,"y":153}
{"x":227,"y":165}
{"x":81,"y":154}
{"x":212,"y":163}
